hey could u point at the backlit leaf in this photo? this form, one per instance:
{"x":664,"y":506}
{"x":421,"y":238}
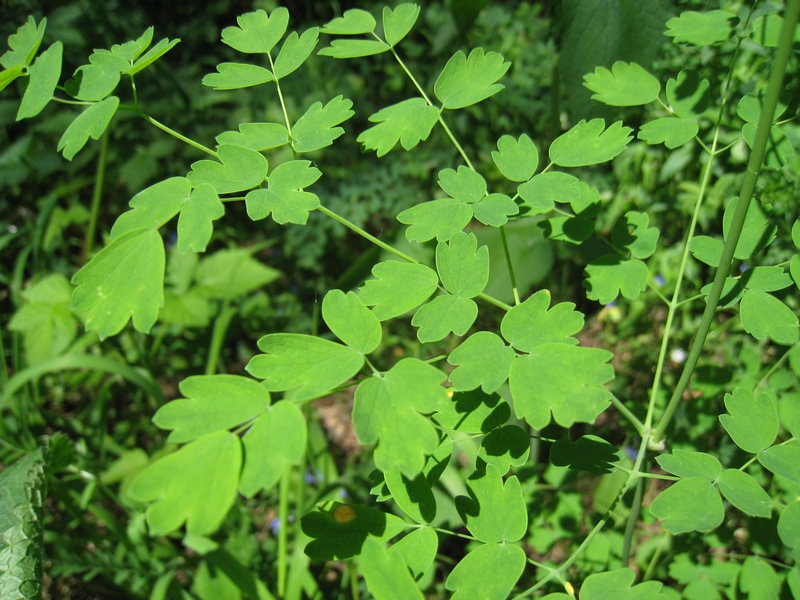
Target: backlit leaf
{"x":689,"y":505}
{"x":670,"y":131}
{"x":610,"y":275}
{"x":741,"y":490}
{"x":684,"y":463}
{"x":317,"y":128}
{"x":441,"y":219}
{"x":700,"y":29}
{"x":517,"y":159}
{"x":353,"y":22}
{"x":482,"y":360}
{"x":530,"y":324}
{"x":295,"y":51}
{"x":398,"y":22}
{"x":23,"y":44}
{"x":399,"y":288}
{"x":462,"y":266}
{"x":444,"y":314}
{"x":468,"y":80}
{"x":44,"y":76}
{"x":195,"y":225}
{"x":752,"y":422}
{"x":351,"y":321}
{"x":234,"y":76}
{"x":763,"y":315}
{"x":257,"y":32}
{"x":238,"y":169}
{"x":626,"y":84}
{"x":92,"y":122}
{"x":590,"y":143}
{"x":495,"y":510}
{"x":349,"y":48}
{"x":469,"y":577}
{"x":285,"y":197}
{"x":407,"y":122}
{"x":9,"y":75}
{"x":256,"y":136}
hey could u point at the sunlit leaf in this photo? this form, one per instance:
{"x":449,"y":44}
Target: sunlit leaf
{"x":494,"y":209}
{"x":482,"y":360}
{"x":468,"y":578}
{"x":353,"y":22}
{"x":418,"y":549}
{"x":441,"y":219}
{"x":44,"y":76}
{"x":618,"y":584}
{"x":386,"y":573}
{"x":544,"y":190}
{"x":256,"y":136}
{"x":763,"y":315}
{"x":285,"y":197}
{"x":23,"y":44}
{"x":351,"y":321}
{"x":462,"y":266}
{"x":610,"y":275}
{"x":349,"y":48}
{"x":700,"y":29}
{"x":317,"y":128}
{"x":633,"y":234}
{"x":195,"y":224}
{"x":474,"y":412}
{"x":741,"y":490}
{"x":590,"y":143}
{"x":442,"y":315}
{"x":752,"y":422}
{"x":517,"y":159}
{"x":234,"y":76}
{"x":670,"y":131}
{"x":689,"y":505}
{"x":465,"y":184}
{"x":399,"y":288}
{"x":495,"y":510}
{"x":92,"y":122}
{"x":238,"y":169}
{"x":783,"y":460}
{"x":533,"y":323}
{"x":414,"y":495}
{"x":295,"y":51}
{"x":407,"y":122}
{"x":626,"y":84}
{"x":257,"y":32}
{"x":685,"y":463}
{"x":398,"y":22}
{"x":468,"y":80}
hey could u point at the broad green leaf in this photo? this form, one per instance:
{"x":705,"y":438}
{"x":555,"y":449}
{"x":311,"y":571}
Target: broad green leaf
{"x":618,"y":585}
{"x":285,"y":197}
{"x":154,"y":206}
{"x":399,"y":288}
{"x":349,"y":48}
{"x":469,"y":578}
{"x":238,"y":169}
{"x":689,"y":505}
{"x":545,"y":189}
{"x":152,"y":55}
{"x":444,"y":314}
{"x":386,"y":573}
{"x":688,"y":94}
{"x":465,"y":184}
{"x":474,"y":412}
{"x":295,"y":51}
{"x":398,"y":22}
{"x":9,"y":75}
{"x":530,"y":324}
{"x":195,"y":485}
{"x":418,"y":549}
{"x":124,"y":280}
{"x":482,"y":360}
{"x":495,"y":510}
{"x":351,"y":321}
{"x":317,"y":129}
{"x":779,"y":149}
{"x":505,"y":447}
{"x":794,"y":269}
{"x":700,"y":29}
{"x":670,"y":131}
{"x":230,"y":273}
{"x":494,"y":210}
{"x":44,"y":76}
{"x":462,"y":266}
{"x":516,"y":159}
{"x":211,"y":403}
{"x":590,"y":143}
{"x":339,"y":530}
{"x":588,"y":453}
{"x":684,"y":463}
{"x":256,"y":136}
{"x":758,"y":230}
{"x":633,"y":235}
{"x":562,"y":379}
{"x":789,"y":526}
{"x":741,"y":490}
{"x":195,"y":225}
{"x":313,"y":365}
{"x":468,"y":80}
{"x":95,"y":81}
{"x":234,"y":76}
{"x":276,"y":440}
{"x":353,"y":22}
{"x":782,"y":460}
{"x":766,"y":30}
{"x":22,"y":522}
{"x":686,"y":568}
{"x":257,"y":33}
{"x":766,"y":279}
{"x":752,"y":422}
{"x":706,"y":249}
{"x":131,"y":50}
{"x":441,"y":219}
{"x":92,"y":122}
{"x":23,"y":44}
{"x":763,"y":315}
{"x":415,"y":495}
{"x":610,"y":275}
{"x":407,"y":122}
{"x":45,"y":320}
{"x":187,"y":309}
{"x":626,"y":84}
{"x":387,"y":413}
{"x":758,"y":579}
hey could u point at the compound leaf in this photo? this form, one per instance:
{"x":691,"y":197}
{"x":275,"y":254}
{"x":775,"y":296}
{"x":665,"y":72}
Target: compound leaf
{"x":752,"y":422}
{"x":465,"y":184}
{"x":700,"y":29}
{"x":763,"y":315}
{"x":590,"y":143}
{"x":494,"y":210}
{"x":44,"y":75}
{"x":517,"y":159}
{"x":256,"y":136}
{"x":530,"y":324}
{"x":351,"y":321}
{"x":468,"y":80}
{"x":23,"y":44}
{"x":285,"y":198}
{"x":441,"y":219}
{"x":626,"y":84}
{"x":195,"y":225}
{"x":633,"y":235}
{"x":462,"y":266}
{"x":238,"y":169}
{"x":610,"y":275}
{"x":353,"y":22}
{"x":688,"y":94}
{"x":348,"y":48}
{"x":468,"y":579}
{"x":398,"y":289}
{"x":317,"y":129}
{"x":495,"y":511}
{"x":257,"y":33}
{"x":386,"y":573}
{"x":154,"y":206}
{"x":295,"y":51}
{"x":235,"y":76}
{"x":684,"y":463}
{"x":407,"y":122}
{"x":398,"y":22}
{"x":783,"y":460}
{"x":670,"y":131}
{"x":689,"y":505}
{"x":444,"y":314}
{"x":741,"y":490}
{"x":482,"y":360}
{"x":92,"y":122}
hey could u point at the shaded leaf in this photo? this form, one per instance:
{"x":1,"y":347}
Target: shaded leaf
{"x":469,"y":577}
{"x":505,"y":447}
{"x":285,"y":197}
{"x":418,"y":549}
{"x":633,"y":235}
{"x":789,"y":525}
{"x":783,"y":460}
{"x":758,"y":231}
{"x":468,"y":80}
{"x":407,"y":122}
{"x":544,"y":190}
{"x":92,"y":122}
{"x":234,"y":76}
{"x":618,"y":585}
{"x":530,"y":324}
{"x":688,"y":94}
{"x":415,"y":495}
{"x":689,"y":505}
{"x":257,"y":32}
{"x":474,"y":412}
{"x":495,"y":510}
{"x":758,"y":579}
{"x":317,"y":129}
{"x":351,"y":321}
{"x":482,"y":360}
{"x":238,"y":169}
{"x":517,"y":159}
{"x":588,"y":453}
{"x":706,"y":249}
{"x":626,"y":84}
{"x":399,"y":288}
{"x":590,"y":143}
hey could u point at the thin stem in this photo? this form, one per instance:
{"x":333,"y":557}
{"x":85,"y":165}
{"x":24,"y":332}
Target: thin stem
{"x":630,"y":526}
{"x":628,"y":414}
{"x":221,"y":324}
{"x":283,"y":531}
{"x":775,"y":367}
{"x":172,"y":132}
{"x":509,"y":263}
{"x":97,"y":193}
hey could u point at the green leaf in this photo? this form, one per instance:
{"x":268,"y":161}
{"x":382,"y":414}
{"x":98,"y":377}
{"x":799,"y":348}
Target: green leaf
{"x":129,"y":51}
{"x":285,"y":198}
{"x":228,"y":274}
{"x":9,"y":75}
{"x":530,"y":324}
{"x":474,"y":412}
{"x":779,"y":148}
{"x":24,"y":44}
{"x":789,"y":525}
{"x":234,"y":76}
{"x":763,"y":315}
{"x":156,"y":52}
{"x":414,"y":495}
{"x":386,"y":573}
{"x":444,"y":314}
{"x":700,"y":29}
{"x":689,"y":505}
{"x":752,"y":422}
{"x":398,"y":289}
{"x":741,"y":490}
{"x":517,"y":159}
{"x":317,"y":129}
{"x":482,"y":360}
{"x":688,"y":94}
{"x":468,"y":80}
{"x":353,"y":22}
{"x":256,"y":136}
{"x":195,"y":485}
{"x":398,"y":22}
{"x":257,"y":33}
{"x":757,"y":231}
{"x":340,"y":530}
{"x":782,"y":460}
{"x":633,"y":235}
{"x":44,"y":76}
{"x":312,"y":364}
{"x":494,"y":210}
{"x":495,"y":510}
{"x":465,"y":184}
{"x":407,"y":122}
{"x":462,"y":266}
{"x":684,"y":463}
{"x":295,"y":51}
{"x":505,"y":447}
{"x":794,"y":269}
{"x":418,"y":550}
{"x":610,"y":275}
{"x":588,"y":453}
{"x":154,"y":206}
{"x":590,"y":143}
{"x":348,"y":48}
{"x":544,"y":190}
{"x":387,"y":411}
{"x":441,"y":219}
{"x":195,"y":225}
{"x":91,"y":122}
{"x":45,"y":319}
{"x":567,"y":380}
{"x":626,"y":84}
{"x":238,"y":169}
{"x":95,"y":81}
{"x":670,"y":131}
{"x":276,"y":440}
{"x":469,"y":577}
{"x":706,"y":249}
{"x":617,"y":585}
{"x":766,"y":30}
{"x":758,"y":579}
{"x":211,"y":403}
{"x":351,"y":321}
{"x":124,"y":280}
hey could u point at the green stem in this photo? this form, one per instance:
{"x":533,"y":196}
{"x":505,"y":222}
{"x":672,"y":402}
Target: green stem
{"x":630,"y":526}
{"x":283,"y":532}
{"x":774,"y":88}
{"x":221,"y":324}
{"x":632,"y":419}
{"x":172,"y":132}
{"x":510,"y":265}
{"x":97,"y":193}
